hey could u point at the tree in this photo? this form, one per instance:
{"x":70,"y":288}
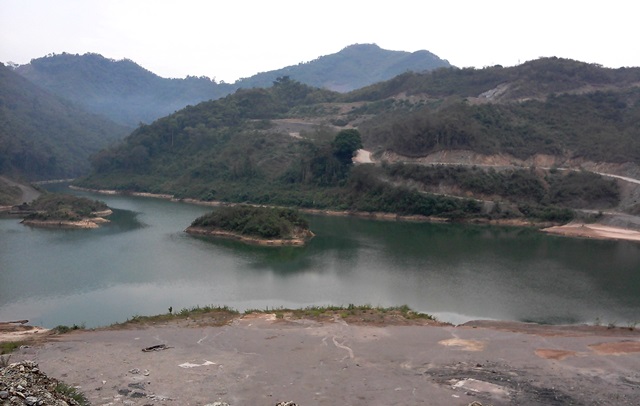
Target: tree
{"x":345,"y":145}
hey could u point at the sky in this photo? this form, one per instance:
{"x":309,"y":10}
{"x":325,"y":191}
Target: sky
{"x":227,"y":40}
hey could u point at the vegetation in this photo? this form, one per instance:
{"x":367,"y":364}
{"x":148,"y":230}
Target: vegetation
{"x":352,"y":68}
{"x":44,"y":137}
{"x":598,"y":126}
{"x":9,"y":195}
{"x":235,"y":149}
{"x":54,"y":206}
{"x":563,"y":188}
{"x":73,"y":393}
{"x":7,"y":347}
{"x":353,"y":314}
{"x":532,"y":80}
{"x":222,"y":315}
{"x":129,"y":94}
{"x":260,"y":222}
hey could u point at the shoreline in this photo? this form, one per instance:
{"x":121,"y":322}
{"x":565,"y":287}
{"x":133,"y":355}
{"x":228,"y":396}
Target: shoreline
{"x":326,"y":212}
{"x":293,"y":242}
{"x":85,"y":223}
{"x":592,"y":231}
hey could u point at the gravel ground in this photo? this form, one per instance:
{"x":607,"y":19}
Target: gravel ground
{"x":260,"y":360}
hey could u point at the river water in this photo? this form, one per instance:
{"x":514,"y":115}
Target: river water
{"x":142,"y":263}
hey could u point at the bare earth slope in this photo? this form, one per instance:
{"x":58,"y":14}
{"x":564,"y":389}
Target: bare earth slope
{"x":261,"y":360}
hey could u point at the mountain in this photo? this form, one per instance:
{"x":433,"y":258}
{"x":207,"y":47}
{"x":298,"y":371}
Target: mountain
{"x":121,"y":90}
{"x":353,"y":67}
{"x":129,"y":94}
{"x":45,"y":137}
{"x":279,"y":145}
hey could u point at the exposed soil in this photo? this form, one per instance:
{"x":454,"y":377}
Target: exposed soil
{"x":596,"y":231}
{"x":263,"y":359}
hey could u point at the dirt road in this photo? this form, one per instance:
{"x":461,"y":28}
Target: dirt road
{"x":258,"y":360}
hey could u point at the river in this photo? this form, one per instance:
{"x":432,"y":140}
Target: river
{"x":142,"y":263}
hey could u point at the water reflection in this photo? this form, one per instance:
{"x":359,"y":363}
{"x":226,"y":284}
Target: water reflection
{"x":143,"y":262}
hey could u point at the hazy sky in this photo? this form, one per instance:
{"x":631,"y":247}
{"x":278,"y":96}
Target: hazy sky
{"x":233,"y":39}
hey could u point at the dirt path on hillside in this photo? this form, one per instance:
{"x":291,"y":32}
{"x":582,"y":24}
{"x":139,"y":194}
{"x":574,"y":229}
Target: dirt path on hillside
{"x":261,"y":360}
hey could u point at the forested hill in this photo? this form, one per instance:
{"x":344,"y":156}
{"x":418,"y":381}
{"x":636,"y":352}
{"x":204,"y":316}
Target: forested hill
{"x":286,"y":144}
{"x":535,"y":79}
{"x":121,"y":90}
{"x":353,"y":67}
{"x":129,"y":94}
{"x":45,"y":137}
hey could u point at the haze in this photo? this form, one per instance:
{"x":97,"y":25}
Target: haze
{"x":229,"y":40}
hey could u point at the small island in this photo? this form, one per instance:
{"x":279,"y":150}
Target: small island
{"x":254,"y":225}
{"x":54,"y":210}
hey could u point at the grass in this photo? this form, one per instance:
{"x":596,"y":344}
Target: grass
{"x":9,"y":346}
{"x":73,"y":393}
{"x":62,"y":329}
{"x":352,"y":313}
{"x":221,"y":315}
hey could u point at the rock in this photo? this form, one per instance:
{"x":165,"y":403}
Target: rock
{"x":31,"y":401}
{"x":289,"y":403}
{"x":23,"y":383}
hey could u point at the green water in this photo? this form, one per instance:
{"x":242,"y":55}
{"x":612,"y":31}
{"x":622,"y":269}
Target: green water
{"x":143,"y":262}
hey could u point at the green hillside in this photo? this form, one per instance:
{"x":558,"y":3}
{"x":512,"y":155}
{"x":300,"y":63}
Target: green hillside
{"x":281,"y":145}
{"x":44,"y":137}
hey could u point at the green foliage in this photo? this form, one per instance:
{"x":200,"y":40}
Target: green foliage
{"x":345,"y":145}
{"x":231,"y":149}
{"x":73,"y":393}
{"x":533,"y":79}
{"x":54,"y":206}
{"x":368,"y":193}
{"x":44,"y":137}
{"x":583,"y":190}
{"x":260,"y":222}
{"x":7,"y":347}
{"x":9,"y":195}
{"x":600,"y":126}
{"x":62,"y":329}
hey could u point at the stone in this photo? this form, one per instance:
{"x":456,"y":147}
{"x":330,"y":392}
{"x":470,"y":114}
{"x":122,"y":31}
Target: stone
{"x":31,"y":401}
{"x":4,"y":394}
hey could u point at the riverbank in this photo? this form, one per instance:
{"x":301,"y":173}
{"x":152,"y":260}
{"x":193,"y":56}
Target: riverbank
{"x":334,"y":213}
{"x":296,"y":241}
{"x":85,"y":223}
{"x":574,"y":229}
{"x":263,"y":359}
{"x":595,"y":231}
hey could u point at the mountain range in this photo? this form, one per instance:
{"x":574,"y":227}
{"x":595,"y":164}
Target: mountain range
{"x":129,"y":94}
{"x":283,"y":143}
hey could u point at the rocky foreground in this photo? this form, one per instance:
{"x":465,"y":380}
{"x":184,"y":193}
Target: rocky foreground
{"x":23,"y":383}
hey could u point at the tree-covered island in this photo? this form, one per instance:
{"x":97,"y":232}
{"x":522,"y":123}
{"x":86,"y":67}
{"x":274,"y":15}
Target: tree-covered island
{"x":254,"y":225}
{"x":65,"y":211}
